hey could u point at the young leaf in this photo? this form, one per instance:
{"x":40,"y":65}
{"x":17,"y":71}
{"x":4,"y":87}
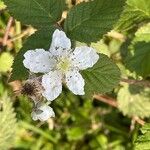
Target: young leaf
{"x":142,"y":5}
{"x":7,"y":123}
{"x":143,"y":141}
{"x":134,"y":13}
{"x":87,"y":22}
{"x":38,"y":13}
{"x":2,"y":5}
{"x":138,"y":60}
{"x":41,"y":39}
{"x":6,"y":60}
{"x":143,"y":33}
{"x":134,"y":101}
{"x":102,"y":77}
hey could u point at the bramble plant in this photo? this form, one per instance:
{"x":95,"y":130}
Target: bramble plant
{"x":75,"y":51}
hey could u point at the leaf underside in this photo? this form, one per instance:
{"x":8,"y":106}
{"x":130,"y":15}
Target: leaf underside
{"x":135,"y":12}
{"x":7,"y":123}
{"x":134,"y":101}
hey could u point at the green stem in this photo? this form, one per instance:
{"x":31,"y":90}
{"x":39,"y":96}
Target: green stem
{"x":18,"y":42}
{"x":111,"y":128}
{"x":37,"y":130}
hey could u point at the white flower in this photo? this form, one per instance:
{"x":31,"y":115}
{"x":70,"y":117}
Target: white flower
{"x":60,"y":64}
{"x":42,"y":113}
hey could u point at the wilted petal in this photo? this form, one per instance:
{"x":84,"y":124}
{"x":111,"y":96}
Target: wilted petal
{"x":43,"y":113}
{"x":75,"y":82}
{"x":52,"y":84}
{"x":60,"y":43}
{"x":84,"y":57}
{"x":38,"y":61}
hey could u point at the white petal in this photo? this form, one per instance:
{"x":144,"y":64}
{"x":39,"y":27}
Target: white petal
{"x":45,"y":112}
{"x":84,"y":57}
{"x":52,"y":83}
{"x":38,"y":61}
{"x":75,"y":82}
{"x":60,"y":43}
{"x":34,"y":116}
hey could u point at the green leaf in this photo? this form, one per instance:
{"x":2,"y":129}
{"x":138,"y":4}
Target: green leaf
{"x":135,"y":12}
{"x":38,"y":13}
{"x":140,"y":5}
{"x":101,"y":47}
{"x":143,"y":33}
{"x":2,"y":5}
{"x":6,"y":60}
{"x":102,"y":77}
{"x":41,"y":39}
{"x":87,"y":22}
{"x":75,"y":133}
{"x":143,"y":141}
{"x":7,"y":123}
{"x":133,"y":100}
{"x":138,"y":59}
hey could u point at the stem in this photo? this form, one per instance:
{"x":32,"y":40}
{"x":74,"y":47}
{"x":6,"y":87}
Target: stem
{"x":18,"y":42}
{"x":27,"y":32}
{"x":5,"y":38}
{"x":37,"y":130}
{"x":145,"y":83}
{"x":140,"y":121}
{"x":108,"y":100}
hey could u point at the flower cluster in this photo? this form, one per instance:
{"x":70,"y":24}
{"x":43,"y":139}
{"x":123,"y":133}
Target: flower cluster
{"x":60,"y":64}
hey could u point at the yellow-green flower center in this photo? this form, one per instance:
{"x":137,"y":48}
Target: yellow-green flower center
{"x":64,"y":64}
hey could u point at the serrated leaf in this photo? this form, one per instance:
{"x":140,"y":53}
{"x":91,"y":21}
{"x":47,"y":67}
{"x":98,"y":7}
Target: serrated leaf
{"x":7,"y":123}
{"x":143,"y":33}
{"x":135,"y":12}
{"x":138,"y":59}
{"x":41,"y":39}
{"x":38,"y":13}
{"x":102,"y":77}
{"x":143,"y":141}
{"x":141,"y":5}
{"x":87,"y":22}
{"x":134,"y":101}
{"x":6,"y":60}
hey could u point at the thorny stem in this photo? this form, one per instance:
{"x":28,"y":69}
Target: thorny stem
{"x":140,"y":121}
{"x":112,"y":102}
{"x":7,"y":31}
{"x":108,"y":100}
{"x":27,"y":32}
{"x":145,"y":83}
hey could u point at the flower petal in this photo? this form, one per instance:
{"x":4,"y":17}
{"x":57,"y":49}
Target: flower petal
{"x":84,"y":57}
{"x":60,"y":43}
{"x":52,"y":83}
{"x":75,"y":82}
{"x":43,"y":113}
{"x":38,"y":61}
